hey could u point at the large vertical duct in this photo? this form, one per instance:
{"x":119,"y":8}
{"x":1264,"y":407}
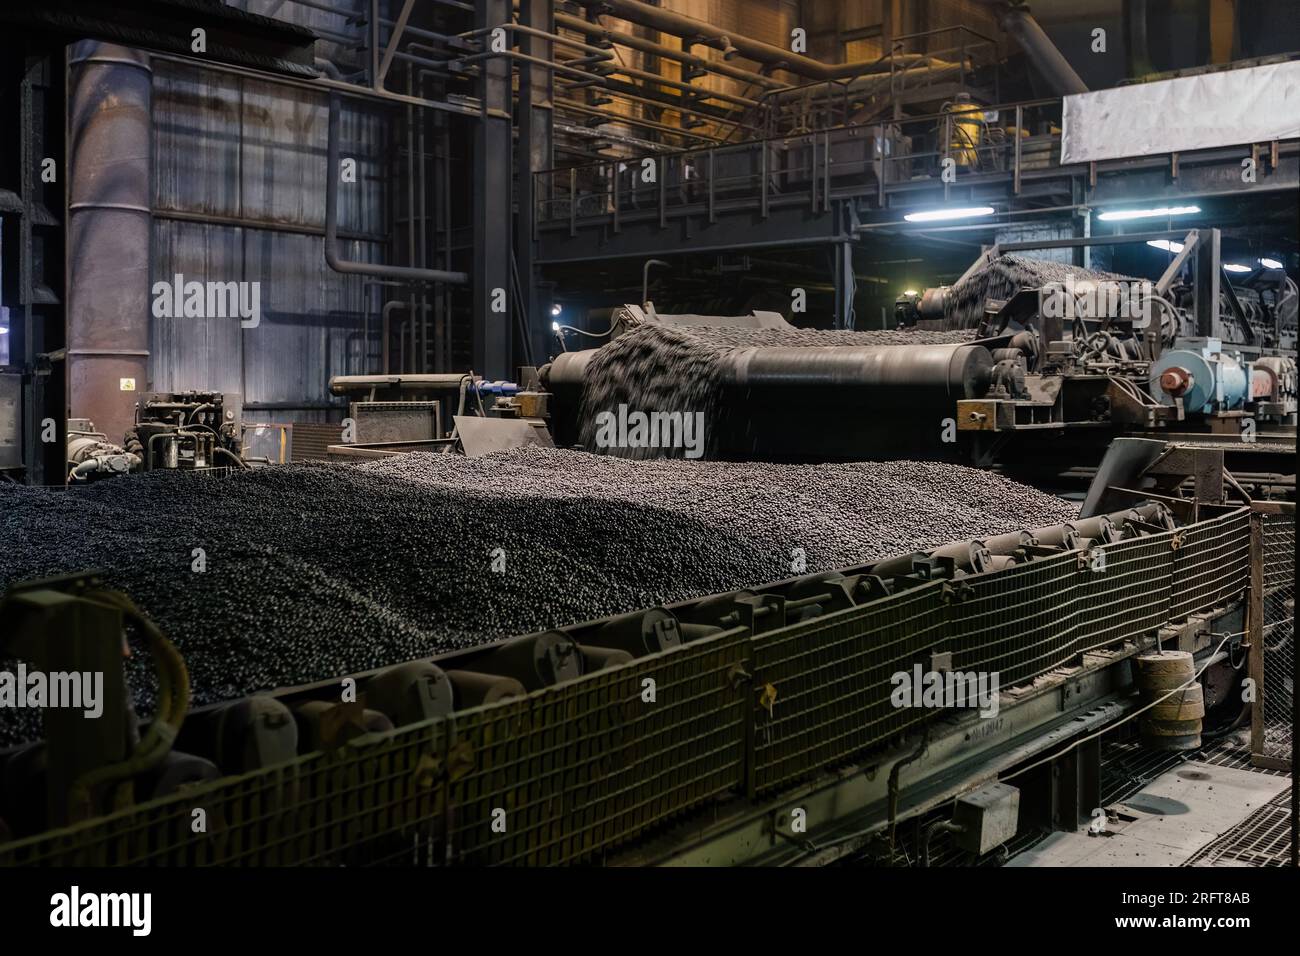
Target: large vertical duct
{"x":109,"y":226}
{"x":1021,"y":26}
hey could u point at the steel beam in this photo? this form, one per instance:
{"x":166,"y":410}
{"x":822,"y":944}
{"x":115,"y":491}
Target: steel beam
{"x":491,"y":174}
{"x":536,"y":147}
{"x":1207,"y":284}
{"x":233,"y":35}
{"x":735,"y":230}
{"x":393,"y":41}
{"x":845,"y":285}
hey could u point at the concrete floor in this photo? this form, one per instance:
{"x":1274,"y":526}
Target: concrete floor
{"x":1166,"y":822}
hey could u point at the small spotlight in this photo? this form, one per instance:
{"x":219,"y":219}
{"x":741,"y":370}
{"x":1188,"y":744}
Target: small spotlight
{"x":1166,"y":244}
{"x":555,"y":326}
{"x":1270,"y":264}
{"x":1236,"y":267}
{"x":556,"y":309}
{"x":910,"y":292}
{"x":1123,"y":215}
{"x":960,"y":212}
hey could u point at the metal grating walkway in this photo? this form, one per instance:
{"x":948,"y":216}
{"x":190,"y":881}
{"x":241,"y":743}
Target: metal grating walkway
{"x":1262,"y":839}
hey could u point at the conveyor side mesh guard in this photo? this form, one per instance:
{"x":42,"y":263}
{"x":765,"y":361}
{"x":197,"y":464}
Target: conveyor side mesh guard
{"x":1273,"y":626}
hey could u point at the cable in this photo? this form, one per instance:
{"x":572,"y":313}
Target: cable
{"x":230,"y":454}
{"x":895,"y":788}
{"x":945,"y":826}
{"x":173,"y":703}
{"x":594,"y":335}
{"x":1171,"y":313}
{"x":189,"y":419}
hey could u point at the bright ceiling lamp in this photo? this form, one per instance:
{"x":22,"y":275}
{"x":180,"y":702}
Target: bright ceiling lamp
{"x":1122,"y":215}
{"x":1270,"y":263}
{"x":959,"y":212}
{"x":1235,"y":267}
{"x":1168,"y":245}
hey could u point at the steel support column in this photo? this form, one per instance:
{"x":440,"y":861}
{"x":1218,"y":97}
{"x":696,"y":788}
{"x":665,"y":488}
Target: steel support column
{"x":845,"y":286}
{"x":536,"y":152}
{"x":32,"y":380}
{"x":1207,"y":284}
{"x":491,"y":175}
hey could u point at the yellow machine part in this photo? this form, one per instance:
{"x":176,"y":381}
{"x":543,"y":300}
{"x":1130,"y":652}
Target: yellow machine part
{"x":967,"y":131}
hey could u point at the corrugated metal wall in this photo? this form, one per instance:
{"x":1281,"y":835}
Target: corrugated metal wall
{"x":239,"y":195}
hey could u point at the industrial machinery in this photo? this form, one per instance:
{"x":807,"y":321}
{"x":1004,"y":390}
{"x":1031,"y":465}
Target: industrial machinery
{"x":92,"y":455}
{"x":805,"y":402}
{"x":186,"y":431}
{"x":1098,"y":358}
{"x":1046,"y":374}
{"x":190,"y":431}
{"x":396,"y":414}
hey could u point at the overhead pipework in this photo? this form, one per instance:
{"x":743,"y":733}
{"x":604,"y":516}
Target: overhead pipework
{"x":775,"y":57}
{"x":332,"y":254}
{"x":1016,"y":19}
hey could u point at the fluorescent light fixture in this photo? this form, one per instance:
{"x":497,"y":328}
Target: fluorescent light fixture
{"x":1236,"y":267}
{"x":1122,"y":215}
{"x":1270,"y":263}
{"x":909,"y":292}
{"x":1166,"y":244}
{"x":957,"y":212}
{"x":556,"y":309}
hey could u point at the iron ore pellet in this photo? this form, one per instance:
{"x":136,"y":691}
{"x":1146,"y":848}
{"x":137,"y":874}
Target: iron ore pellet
{"x":314,"y":571}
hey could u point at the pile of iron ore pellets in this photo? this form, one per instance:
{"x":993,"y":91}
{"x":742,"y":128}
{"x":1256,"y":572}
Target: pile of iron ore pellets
{"x":295,"y":573}
{"x":1003,"y":277}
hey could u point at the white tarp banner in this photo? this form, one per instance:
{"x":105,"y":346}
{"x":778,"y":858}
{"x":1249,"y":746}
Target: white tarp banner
{"x":1229,"y":108}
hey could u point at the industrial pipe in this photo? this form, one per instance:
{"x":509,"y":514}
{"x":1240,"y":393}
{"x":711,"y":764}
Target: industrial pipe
{"x":109,"y":226}
{"x":634,"y":42}
{"x":576,"y":107}
{"x":669,"y":101}
{"x":347,"y":266}
{"x":681,"y":25}
{"x":343,"y":384}
{"x":1021,"y":26}
{"x":645,"y":277}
